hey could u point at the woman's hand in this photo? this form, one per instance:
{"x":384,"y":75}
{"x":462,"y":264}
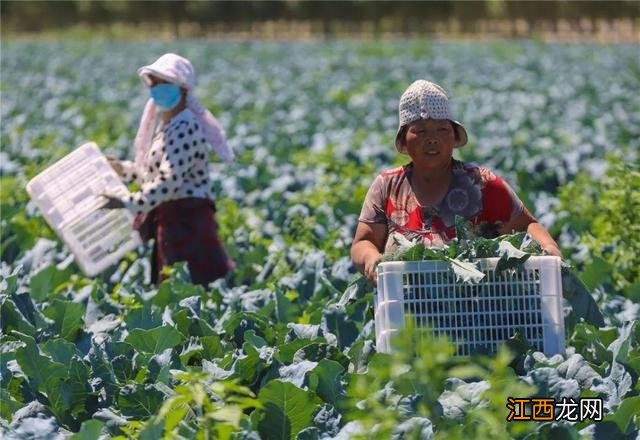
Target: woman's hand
{"x":552,"y":249}
{"x":365,"y":250}
{"x":544,"y":239}
{"x":113,"y":202}
{"x":370,"y":265}
{"x":526,"y":222}
{"x":115,"y":164}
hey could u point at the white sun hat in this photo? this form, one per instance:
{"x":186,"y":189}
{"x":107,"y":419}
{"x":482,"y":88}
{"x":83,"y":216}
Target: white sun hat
{"x":170,"y":67}
{"x":422,"y":100}
{"x":177,"y":70}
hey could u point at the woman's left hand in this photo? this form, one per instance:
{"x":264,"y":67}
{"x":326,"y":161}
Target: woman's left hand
{"x":526,"y":222}
{"x":113,"y":202}
{"x":552,"y":250}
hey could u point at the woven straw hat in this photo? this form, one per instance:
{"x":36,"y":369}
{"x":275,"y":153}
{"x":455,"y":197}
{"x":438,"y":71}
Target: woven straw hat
{"x":423,"y":100}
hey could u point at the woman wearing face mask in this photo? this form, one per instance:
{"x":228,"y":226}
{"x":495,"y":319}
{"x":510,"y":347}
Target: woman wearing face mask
{"x":175,"y":204}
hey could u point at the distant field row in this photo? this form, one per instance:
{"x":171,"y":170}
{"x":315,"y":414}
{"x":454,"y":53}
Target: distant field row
{"x":575,"y":31}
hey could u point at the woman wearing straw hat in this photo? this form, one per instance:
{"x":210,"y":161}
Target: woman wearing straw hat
{"x":175,"y":204}
{"x":422,"y":199}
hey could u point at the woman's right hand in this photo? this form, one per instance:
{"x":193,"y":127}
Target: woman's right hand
{"x":370,"y":266}
{"x":369,"y":240}
{"x":115,"y":164}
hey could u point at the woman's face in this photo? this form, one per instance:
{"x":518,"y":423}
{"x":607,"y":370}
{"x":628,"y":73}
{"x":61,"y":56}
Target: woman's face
{"x":430,"y":143}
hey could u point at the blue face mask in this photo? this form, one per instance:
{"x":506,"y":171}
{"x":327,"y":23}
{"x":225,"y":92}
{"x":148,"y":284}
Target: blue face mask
{"x":165,"y":95}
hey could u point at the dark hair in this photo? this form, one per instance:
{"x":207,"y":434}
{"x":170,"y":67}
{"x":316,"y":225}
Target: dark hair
{"x":455,"y":131}
{"x":402,"y":134}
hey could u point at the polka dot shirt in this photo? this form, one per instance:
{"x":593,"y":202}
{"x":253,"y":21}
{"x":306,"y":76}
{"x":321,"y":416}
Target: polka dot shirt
{"x":175,"y":166}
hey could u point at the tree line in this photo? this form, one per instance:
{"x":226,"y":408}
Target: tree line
{"x":34,"y":16}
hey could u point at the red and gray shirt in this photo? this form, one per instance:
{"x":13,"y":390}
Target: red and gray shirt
{"x":475,"y":193}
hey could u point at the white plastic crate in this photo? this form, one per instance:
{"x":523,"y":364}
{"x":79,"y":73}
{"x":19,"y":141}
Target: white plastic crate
{"x":67,"y":193}
{"x":475,"y":317}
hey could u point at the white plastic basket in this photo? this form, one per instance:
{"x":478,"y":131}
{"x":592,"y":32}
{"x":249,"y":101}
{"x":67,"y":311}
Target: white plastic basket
{"x":475,"y":317}
{"x":67,"y":193}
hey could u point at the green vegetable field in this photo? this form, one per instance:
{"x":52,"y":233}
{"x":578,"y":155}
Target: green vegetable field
{"x":284,"y":348}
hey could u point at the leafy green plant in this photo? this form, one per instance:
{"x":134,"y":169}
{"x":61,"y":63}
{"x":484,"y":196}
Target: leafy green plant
{"x":513,"y":250}
{"x":201,"y":407}
{"x":422,"y":381}
{"x":605,"y":214}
